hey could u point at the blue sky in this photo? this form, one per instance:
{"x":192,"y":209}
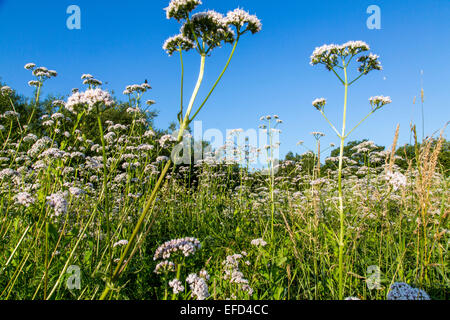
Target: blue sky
{"x":120,"y":43}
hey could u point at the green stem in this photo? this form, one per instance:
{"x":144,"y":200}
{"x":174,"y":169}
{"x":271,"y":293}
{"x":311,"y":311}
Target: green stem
{"x":104,"y":193}
{"x":182,"y":83}
{"x":341,"y":200}
{"x":329,"y":122}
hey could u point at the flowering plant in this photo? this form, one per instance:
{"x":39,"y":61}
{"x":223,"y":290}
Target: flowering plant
{"x":204,"y":32}
{"x":336,"y":58}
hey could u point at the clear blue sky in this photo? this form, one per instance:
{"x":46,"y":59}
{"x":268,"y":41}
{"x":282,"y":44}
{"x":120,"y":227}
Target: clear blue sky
{"x":120,"y":43}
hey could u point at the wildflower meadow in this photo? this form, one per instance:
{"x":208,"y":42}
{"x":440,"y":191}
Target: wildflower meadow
{"x":98,"y":203}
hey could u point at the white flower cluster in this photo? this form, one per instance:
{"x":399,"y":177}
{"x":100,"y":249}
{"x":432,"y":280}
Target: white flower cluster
{"x":396,"y":179}
{"x":352,"y":298}
{"x":177,"y":43}
{"x":5,"y":90}
{"x":239,"y":18}
{"x":319,"y":103}
{"x":44,"y":73}
{"x":403,"y":291}
{"x":317,"y":134}
{"x":30,"y":66}
{"x":24,"y":199}
{"x":90,"y":98}
{"x":180,"y":9}
{"x":187,"y":246}
{"x":161,"y":159}
{"x":322,"y":53}
{"x":136,"y":88}
{"x":41,"y":73}
{"x":258,"y":242}
{"x":39,"y":145}
{"x":53,"y":153}
{"x":379,"y":101}
{"x":89,"y":80}
{"x":30,"y":138}
{"x":328,"y":55}
{"x":233,"y":273}
{"x":58,"y":202}
{"x":164,"y":266}
{"x":318,"y":181}
{"x":120,"y":243}
{"x":198,"y":285}
{"x":8,"y":173}
{"x":10,"y":115}
{"x":76,"y":192}
{"x":368,"y":63}
{"x":176,"y":286}
{"x":211,"y":27}
{"x":166,"y":140}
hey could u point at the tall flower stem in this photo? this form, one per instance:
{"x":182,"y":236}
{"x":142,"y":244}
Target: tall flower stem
{"x":104,"y":193}
{"x":341,"y":198}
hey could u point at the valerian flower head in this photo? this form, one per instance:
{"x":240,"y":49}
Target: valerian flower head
{"x":199,"y":287}
{"x":89,"y":98}
{"x":211,"y":27}
{"x":139,"y":89}
{"x":164,"y":267}
{"x":150,"y":102}
{"x":187,"y":246}
{"x":177,"y":43}
{"x":5,"y":90}
{"x":24,"y":199}
{"x":176,"y":286}
{"x":368,"y":63}
{"x":396,"y":180}
{"x":58,"y":103}
{"x":379,"y":101}
{"x":120,"y":243}
{"x":258,"y":242}
{"x":34,"y":83}
{"x":180,"y":9}
{"x":92,"y":82}
{"x":352,"y":48}
{"x":42,"y":73}
{"x":317,"y":135}
{"x":240,"y":18}
{"x":319,"y":103}
{"x":10,"y":115}
{"x":329,"y":54}
{"x":58,"y":202}
{"x":30,"y":66}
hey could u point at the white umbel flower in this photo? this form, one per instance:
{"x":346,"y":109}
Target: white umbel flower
{"x":319,"y":103}
{"x":396,"y":179}
{"x":176,"y":286}
{"x":90,"y":98}
{"x":239,"y":18}
{"x":180,"y":9}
